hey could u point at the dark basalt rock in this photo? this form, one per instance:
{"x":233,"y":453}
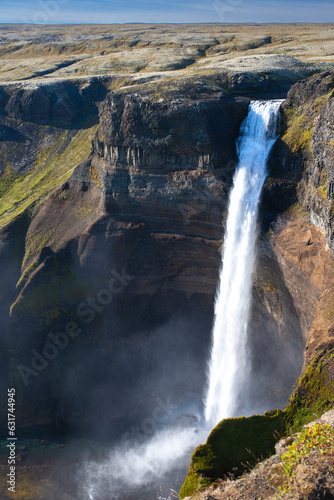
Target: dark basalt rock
{"x":42,"y":105}
{"x":62,"y":104}
{"x":187,"y":127}
{"x":309,"y":89}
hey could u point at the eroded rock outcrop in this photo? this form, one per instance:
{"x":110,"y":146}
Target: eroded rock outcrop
{"x":62,"y":104}
{"x":308,"y":124}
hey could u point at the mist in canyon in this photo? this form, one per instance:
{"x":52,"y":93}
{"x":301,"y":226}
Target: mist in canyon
{"x":152,"y":456}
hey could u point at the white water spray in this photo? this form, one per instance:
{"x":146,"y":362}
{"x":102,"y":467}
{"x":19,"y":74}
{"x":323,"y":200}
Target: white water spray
{"x":229,"y":369}
{"x":132,"y":466}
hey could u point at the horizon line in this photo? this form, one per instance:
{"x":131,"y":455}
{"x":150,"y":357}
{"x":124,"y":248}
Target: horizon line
{"x":165,"y":23}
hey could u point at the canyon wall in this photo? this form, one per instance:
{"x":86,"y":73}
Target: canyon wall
{"x":115,"y":258}
{"x":299,"y":244}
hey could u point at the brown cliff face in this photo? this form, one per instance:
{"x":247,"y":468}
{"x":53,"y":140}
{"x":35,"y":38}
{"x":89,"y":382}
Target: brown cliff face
{"x":304,"y":247}
{"x":305,"y":154}
{"x":306,"y":147}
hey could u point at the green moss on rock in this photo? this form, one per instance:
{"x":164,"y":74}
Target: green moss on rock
{"x":236,"y":444}
{"x":95,"y":176}
{"x":299,"y":130}
{"x":26,"y":274}
{"x":36,"y":241}
{"x":314,"y":394}
{"x":8,"y":179}
{"x":53,"y":165}
{"x":233,"y":446}
{"x":193,"y":483}
{"x":299,"y":124}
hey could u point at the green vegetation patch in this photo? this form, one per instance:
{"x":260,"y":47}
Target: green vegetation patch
{"x":53,"y":165}
{"x":322,"y":189}
{"x":37,"y":240}
{"x":27,"y":272}
{"x":234,"y":445}
{"x":299,"y":130}
{"x":314,"y":394}
{"x":318,"y":438}
{"x":299,"y":124}
{"x":297,"y":211}
{"x":95,"y":176}
{"x":237,"y":444}
{"x":8,"y":180}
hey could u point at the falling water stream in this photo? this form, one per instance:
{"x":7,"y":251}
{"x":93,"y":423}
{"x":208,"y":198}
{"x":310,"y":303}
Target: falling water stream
{"x":229,"y":369}
{"x":133,"y":466}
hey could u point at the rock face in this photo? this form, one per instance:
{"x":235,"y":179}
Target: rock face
{"x":56,"y":103}
{"x":308,"y":120}
{"x":133,"y":126}
{"x":305,"y":149}
{"x":146,"y":211}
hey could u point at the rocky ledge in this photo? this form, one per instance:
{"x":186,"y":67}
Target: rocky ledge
{"x":302,"y":468}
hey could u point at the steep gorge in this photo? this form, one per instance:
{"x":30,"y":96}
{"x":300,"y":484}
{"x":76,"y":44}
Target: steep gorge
{"x":146,"y":208}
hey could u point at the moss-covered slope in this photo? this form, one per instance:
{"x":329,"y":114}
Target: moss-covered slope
{"x":235,"y":445}
{"x":232,"y":446}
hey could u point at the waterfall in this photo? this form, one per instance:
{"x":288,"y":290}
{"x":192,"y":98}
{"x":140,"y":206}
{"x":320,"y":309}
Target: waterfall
{"x":229,"y":370}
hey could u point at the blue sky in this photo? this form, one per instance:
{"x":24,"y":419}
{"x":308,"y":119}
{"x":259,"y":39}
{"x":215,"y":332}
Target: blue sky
{"x":159,"y":11}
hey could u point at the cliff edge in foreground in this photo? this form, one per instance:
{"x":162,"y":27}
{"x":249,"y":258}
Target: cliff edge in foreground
{"x":302,"y":468}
